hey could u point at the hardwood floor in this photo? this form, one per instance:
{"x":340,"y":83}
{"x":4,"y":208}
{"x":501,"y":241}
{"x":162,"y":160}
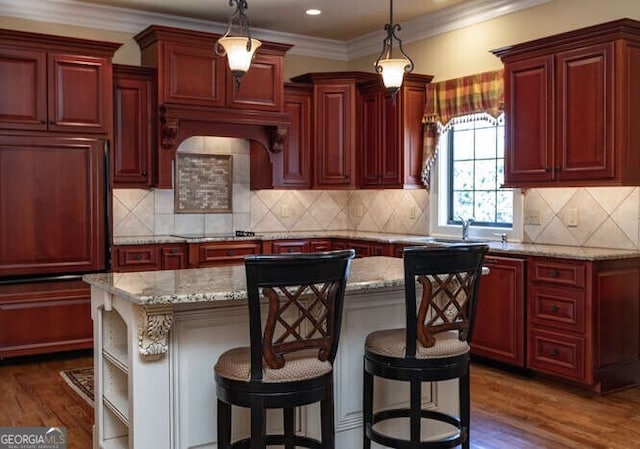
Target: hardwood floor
{"x":508,"y":411}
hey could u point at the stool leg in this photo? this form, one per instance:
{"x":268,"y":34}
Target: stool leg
{"x":289,"y":426}
{"x":415,"y":404}
{"x":326,"y":417}
{"x":465,"y":409}
{"x":224,"y":425}
{"x":257,"y":426}
{"x":367,"y":408}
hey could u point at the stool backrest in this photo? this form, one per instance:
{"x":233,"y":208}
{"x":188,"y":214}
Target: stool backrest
{"x":449,"y":277}
{"x":305,"y":295}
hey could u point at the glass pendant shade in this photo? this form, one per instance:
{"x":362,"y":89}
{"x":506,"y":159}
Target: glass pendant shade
{"x":392,"y":71}
{"x":237,"y":54}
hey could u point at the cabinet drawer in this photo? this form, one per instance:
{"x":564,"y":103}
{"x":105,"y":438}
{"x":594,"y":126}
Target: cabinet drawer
{"x":557,"y":308}
{"x":291,"y":246}
{"x":561,"y":273}
{"x":557,"y":353}
{"x":220,"y":254}
{"x":136,"y":258}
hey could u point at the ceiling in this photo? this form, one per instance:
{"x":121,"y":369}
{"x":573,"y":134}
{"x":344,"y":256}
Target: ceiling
{"x":340,"y":19}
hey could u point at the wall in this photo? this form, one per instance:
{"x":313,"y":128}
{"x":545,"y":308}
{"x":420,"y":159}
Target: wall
{"x":138,"y":212}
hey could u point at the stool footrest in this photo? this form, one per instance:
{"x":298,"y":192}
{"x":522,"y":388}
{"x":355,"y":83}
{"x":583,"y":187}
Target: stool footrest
{"x":272,"y":440}
{"x":398,"y":443}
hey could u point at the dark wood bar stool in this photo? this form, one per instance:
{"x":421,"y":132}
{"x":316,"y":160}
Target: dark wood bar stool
{"x":433,"y":347}
{"x":289,"y":362}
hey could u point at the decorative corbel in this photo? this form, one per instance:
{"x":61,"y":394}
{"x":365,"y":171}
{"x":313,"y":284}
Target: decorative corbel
{"x":278,"y":136}
{"x":153,"y":331}
{"x":168,"y":130}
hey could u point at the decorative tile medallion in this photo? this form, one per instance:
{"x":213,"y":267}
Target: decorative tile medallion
{"x":203,"y":183}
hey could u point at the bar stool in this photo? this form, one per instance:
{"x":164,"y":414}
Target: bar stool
{"x":289,"y":362}
{"x":433,"y":346}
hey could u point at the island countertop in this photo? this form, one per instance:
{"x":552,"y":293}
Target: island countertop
{"x":227,"y":283}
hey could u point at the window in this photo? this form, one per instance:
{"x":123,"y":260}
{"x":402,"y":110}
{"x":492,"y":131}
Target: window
{"x":476,"y":169}
{"x":467,"y":178}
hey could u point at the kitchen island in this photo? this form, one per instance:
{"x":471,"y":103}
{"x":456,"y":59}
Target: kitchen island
{"x":158,"y":334}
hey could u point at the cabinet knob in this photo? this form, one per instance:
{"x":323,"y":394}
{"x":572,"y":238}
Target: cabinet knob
{"x":554,"y":352}
{"x":231,"y":253}
{"x":554,"y":273}
{"x":554,"y":309}
{"x":558,"y":168}
{"x":144,"y":173}
{"x":52,"y":122}
{"x":138,"y":257}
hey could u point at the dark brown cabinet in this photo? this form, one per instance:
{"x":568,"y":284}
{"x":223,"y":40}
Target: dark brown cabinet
{"x":56,"y":84}
{"x":149,"y":257}
{"x":364,"y":248}
{"x":212,"y":254}
{"x":391,"y":134}
{"x":134,"y":126}
{"x":571,"y":107}
{"x":261,"y":88}
{"x":44,"y":317}
{"x":292,"y":166}
{"x":499,"y":328}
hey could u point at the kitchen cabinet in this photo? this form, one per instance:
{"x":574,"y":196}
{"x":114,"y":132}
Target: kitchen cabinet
{"x":363,"y":248}
{"x":499,"y":325}
{"x":571,"y":108}
{"x":197,"y":96}
{"x":391,"y":134}
{"x":292,"y":166}
{"x":55,"y":83}
{"x":44,"y":317}
{"x":211,"y":254}
{"x":583,"y":321}
{"x":296,"y":246}
{"x":134,"y":126}
{"x":149,"y":257}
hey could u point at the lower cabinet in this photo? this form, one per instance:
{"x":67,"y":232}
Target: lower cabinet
{"x":149,"y":257}
{"x":211,"y":254}
{"x":364,"y":248}
{"x":45,"y":317}
{"x":498,"y":331}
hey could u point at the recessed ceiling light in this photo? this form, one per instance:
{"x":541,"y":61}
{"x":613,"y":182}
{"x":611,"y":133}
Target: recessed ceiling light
{"x":313,"y":12}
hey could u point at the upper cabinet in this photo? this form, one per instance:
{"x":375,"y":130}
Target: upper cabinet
{"x":55,"y":83}
{"x":572,"y":104}
{"x":197,"y":93}
{"x":391,"y":134}
{"x":134,"y":127}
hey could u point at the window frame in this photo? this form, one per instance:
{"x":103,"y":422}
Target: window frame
{"x":439,"y":223}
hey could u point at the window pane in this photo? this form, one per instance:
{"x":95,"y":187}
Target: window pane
{"x":463,"y":175}
{"x":463,"y":145}
{"x":485,"y":206}
{"x":462,"y":205}
{"x":505,"y":207}
{"x":485,"y":175}
{"x":486,"y":143}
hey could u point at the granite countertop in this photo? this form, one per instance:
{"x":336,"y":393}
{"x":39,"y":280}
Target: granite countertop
{"x":226,"y":283}
{"x":495,"y":247}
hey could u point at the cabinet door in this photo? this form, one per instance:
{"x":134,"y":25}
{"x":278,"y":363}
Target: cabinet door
{"x":24,"y":104}
{"x":173,"y":257}
{"x":498,"y":331}
{"x":584,"y":132}
{"x":136,"y":258}
{"x":79,"y":93}
{"x":261,"y":88}
{"x":407,"y":137}
{"x":52,"y":205}
{"x":529,"y":153}
{"x":292,"y":166}
{"x":133,"y":101}
{"x":192,"y":75}
{"x":372,"y":142}
{"x":335,"y":134}
{"x":290,"y":246}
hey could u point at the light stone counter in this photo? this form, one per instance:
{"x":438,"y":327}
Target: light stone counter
{"x":495,"y":247}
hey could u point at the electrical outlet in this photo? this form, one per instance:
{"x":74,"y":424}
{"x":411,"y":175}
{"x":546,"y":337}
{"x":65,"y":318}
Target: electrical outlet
{"x":571,"y":217}
{"x":412,"y":213}
{"x":532,"y":217}
{"x":359,"y":210}
{"x":284,"y":211}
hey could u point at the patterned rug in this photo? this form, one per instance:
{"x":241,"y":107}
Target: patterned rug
{"x":81,"y":380}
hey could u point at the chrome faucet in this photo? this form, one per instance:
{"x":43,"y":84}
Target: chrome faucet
{"x":465,"y":226}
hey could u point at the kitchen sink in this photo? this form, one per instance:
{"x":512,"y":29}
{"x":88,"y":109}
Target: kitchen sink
{"x":454,"y":240}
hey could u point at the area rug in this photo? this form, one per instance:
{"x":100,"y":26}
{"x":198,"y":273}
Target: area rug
{"x":81,"y":381}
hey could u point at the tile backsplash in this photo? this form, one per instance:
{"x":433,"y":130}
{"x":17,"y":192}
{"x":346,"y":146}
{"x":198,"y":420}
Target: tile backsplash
{"x":591,"y":217}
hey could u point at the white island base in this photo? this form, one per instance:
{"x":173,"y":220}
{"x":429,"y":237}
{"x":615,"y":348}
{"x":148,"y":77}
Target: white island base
{"x":155,"y":351}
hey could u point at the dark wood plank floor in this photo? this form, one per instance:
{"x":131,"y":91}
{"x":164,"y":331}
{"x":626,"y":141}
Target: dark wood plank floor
{"x":508,"y":411}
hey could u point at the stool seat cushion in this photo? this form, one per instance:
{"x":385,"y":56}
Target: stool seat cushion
{"x":235,"y":364}
{"x":391,"y":343}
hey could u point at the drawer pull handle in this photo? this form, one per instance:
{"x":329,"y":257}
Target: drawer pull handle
{"x":231,"y":253}
{"x":138,"y":257}
{"x":555,"y":273}
{"x":554,"y":353}
{"x":555,"y":309}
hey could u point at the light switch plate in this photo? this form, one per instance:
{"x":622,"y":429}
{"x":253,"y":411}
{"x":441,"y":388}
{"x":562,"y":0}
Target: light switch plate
{"x":571,"y":217}
{"x":532,"y":217}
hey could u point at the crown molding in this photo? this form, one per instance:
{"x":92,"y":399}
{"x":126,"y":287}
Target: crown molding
{"x":126,"y":20}
{"x":442,"y":21}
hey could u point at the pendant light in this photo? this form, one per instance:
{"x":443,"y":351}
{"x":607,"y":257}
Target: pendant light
{"x":238,"y":49}
{"x":392,"y":69}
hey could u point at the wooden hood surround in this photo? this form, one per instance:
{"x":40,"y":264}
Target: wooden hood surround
{"x":196,"y":95}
